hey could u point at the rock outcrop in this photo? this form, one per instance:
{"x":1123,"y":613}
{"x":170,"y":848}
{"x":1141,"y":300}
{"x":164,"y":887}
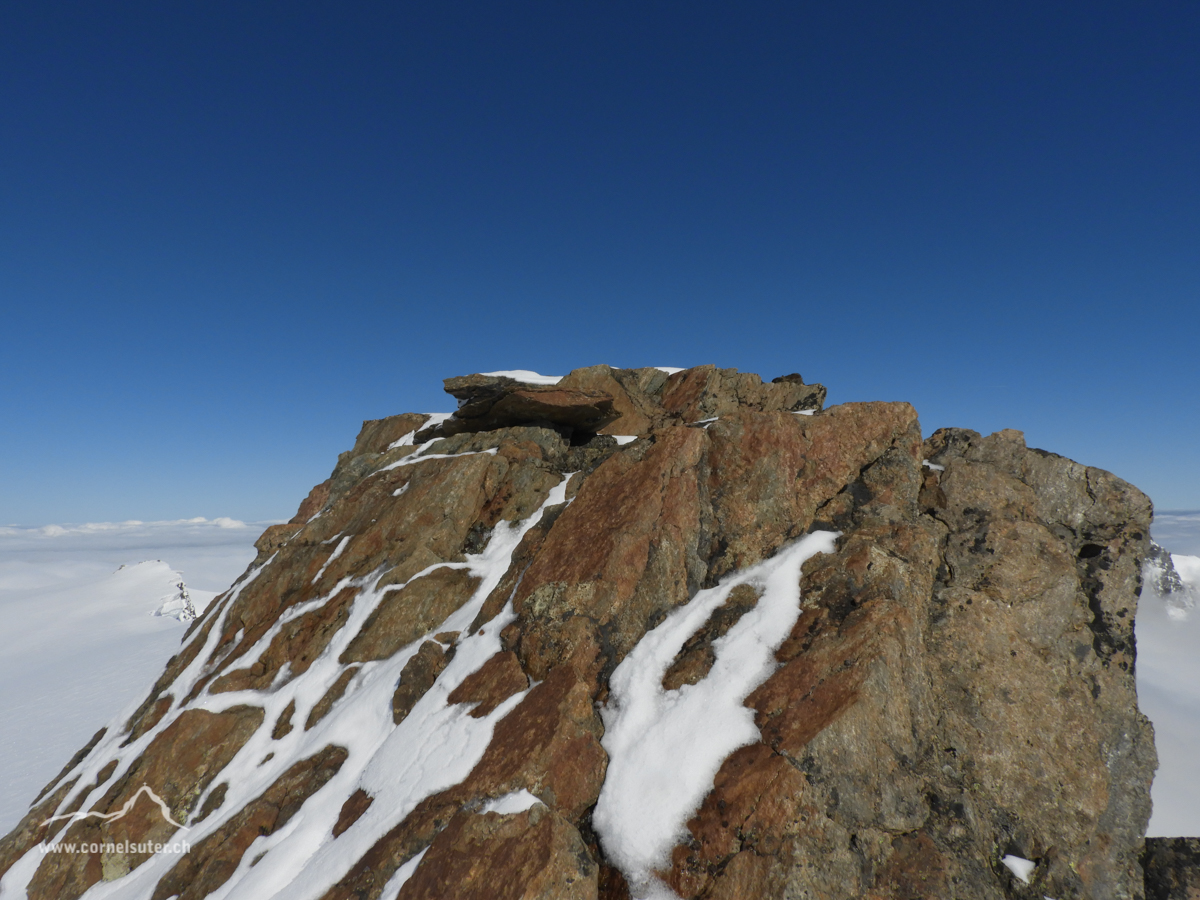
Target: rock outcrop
{"x":413,"y":689}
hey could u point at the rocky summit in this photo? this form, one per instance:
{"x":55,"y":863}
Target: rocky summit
{"x":644,"y":633}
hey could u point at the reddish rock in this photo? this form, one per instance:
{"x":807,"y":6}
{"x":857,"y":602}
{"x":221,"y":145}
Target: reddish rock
{"x":417,"y":677}
{"x":548,"y":745}
{"x":695,"y":659}
{"x":152,"y":717}
{"x":32,"y":828}
{"x":488,"y":402}
{"x":377,"y":435}
{"x":213,"y":860}
{"x":312,"y":504}
{"x":352,"y":810}
{"x":626,"y":550}
{"x":491,"y":684}
{"x":297,"y":644}
{"x":636,"y":412}
{"x":275,"y":537}
{"x":769,"y":473}
{"x":405,"y":615}
{"x":753,"y":799}
{"x":283,"y":725}
{"x":322,"y":707}
{"x":705,"y":392}
{"x":534,"y":855}
{"x":400,"y":521}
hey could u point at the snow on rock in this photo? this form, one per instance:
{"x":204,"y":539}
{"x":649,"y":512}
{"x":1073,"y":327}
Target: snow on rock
{"x":391,"y":890}
{"x":665,"y":746}
{"x":517,"y":801}
{"x":1020,"y":867}
{"x":337,"y":551}
{"x":525,"y":376}
{"x":179,"y":605}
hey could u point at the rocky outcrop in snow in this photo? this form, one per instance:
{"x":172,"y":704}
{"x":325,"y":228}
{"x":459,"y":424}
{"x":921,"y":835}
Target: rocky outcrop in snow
{"x":1164,"y":579}
{"x":639,"y":633}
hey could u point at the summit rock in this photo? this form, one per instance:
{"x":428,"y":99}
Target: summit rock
{"x":417,"y":688}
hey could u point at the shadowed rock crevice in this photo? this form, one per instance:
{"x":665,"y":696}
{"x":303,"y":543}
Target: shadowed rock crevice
{"x":1172,"y":867}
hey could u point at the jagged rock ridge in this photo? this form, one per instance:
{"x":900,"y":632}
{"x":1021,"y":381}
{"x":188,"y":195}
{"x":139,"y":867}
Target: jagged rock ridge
{"x":406,"y":694}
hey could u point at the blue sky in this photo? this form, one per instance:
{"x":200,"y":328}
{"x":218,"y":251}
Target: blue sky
{"x":229,"y":232}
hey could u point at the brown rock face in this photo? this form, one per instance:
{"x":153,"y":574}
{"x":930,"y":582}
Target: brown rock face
{"x":409,"y":613}
{"x":213,"y":860}
{"x":491,"y":684}
{"x":533,"y":855}
{"x":958,"y":685}
{"x":548,"y":745}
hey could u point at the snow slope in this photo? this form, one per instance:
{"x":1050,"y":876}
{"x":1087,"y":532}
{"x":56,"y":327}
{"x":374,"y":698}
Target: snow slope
{"x":79,"y":640}
{"x":1168,"y":678}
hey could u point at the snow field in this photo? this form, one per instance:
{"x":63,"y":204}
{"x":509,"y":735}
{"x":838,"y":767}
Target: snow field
{"x":75,"y":647}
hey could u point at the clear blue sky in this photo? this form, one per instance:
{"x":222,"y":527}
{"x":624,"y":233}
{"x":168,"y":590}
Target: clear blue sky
{"x":231,"y":231}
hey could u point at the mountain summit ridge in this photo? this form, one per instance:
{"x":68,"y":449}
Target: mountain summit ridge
{"x":426,"y":684}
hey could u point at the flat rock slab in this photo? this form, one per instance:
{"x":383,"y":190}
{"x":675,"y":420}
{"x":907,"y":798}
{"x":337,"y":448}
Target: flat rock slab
{"x":488,"y":402}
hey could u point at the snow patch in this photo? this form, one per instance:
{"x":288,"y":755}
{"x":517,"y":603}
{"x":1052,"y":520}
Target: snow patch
{"x":665,"y":747}
{"x":516,"y":802}
{"x":391,"y":890}
{"x":670,"y":370}
{"x":1020,"y":867}
{"x":414,"y":458}
{"x":623,"y":439}
{"x":433,"y":421}
{"x":927,"y":464}
{"x":525,"y":376}
{"x":337,"y":551}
